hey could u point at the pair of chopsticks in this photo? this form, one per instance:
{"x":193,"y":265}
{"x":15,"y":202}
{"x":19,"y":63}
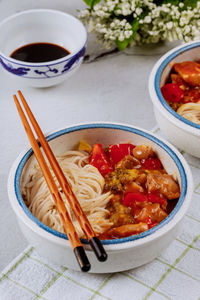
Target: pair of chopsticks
{"x":67,"y":223}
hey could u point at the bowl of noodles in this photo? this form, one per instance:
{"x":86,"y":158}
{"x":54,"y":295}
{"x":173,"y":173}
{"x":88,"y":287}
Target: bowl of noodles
{"x":133,"y":187}
{"x":174,"y":87}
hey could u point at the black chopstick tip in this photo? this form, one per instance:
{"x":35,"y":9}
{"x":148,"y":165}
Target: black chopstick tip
{"x":98,"y":249}
{"x":103,"y":257}
{"x":82,"y":259}
{"x":86,"y":268}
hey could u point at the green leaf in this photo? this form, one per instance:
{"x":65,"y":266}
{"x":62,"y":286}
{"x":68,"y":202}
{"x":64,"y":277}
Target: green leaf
{"x":190,"y":3}
{"x":187,"y":3}
{"x":91,"y":3}
{"x":121,"y":45}
{"x":173,"y":2}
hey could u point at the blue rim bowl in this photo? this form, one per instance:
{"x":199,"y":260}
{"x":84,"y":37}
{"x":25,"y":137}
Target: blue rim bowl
{"x":183,"y":169}
{"x":155,"y":86}
{"x":45,"y":25}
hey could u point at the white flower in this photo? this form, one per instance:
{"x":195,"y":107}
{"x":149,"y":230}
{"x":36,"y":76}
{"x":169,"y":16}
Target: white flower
{"x":112,"y":25}
{"x":127,"y":34}
{"x":187,"y":39}
{"x":138,"y":11}
{"x":166,"y":9}
{"x":133,"y":5}
{"x":118,"y":11}
{"x":186,"y":29}
{"x":169,"y":25}
{"x":111,"y":21}
{"x":96,"y":7}
{"x":121,"y":37}
{"x":84,"y":13}
{"x":128,"y":26}
{"x":147,"y":19}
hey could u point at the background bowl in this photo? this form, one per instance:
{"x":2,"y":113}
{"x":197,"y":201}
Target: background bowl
{"x":42,"y":25}
{"x":181,"y":132}
{"x":124,"y":253}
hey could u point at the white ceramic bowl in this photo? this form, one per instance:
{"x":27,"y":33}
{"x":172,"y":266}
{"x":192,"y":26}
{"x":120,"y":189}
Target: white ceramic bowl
{"x":42,"y":25}
{"x":124,"y":253}
{"x":178,"y":130}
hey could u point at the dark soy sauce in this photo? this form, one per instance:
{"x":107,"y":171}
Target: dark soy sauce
{"x":39,"y":52}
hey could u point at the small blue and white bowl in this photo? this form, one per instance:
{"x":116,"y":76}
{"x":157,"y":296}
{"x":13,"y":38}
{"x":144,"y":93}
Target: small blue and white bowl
{"x":124,"y":253}
{"x":42,"y":25}
{"x":181,"y":132}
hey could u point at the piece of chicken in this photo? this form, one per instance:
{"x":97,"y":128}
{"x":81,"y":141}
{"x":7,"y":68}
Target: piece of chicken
{"x":129,"y":162}
{"x":150,"y":210}
{"x":128,"y":229}
{"x":142,"y":152}
{"x":164,"y":184}
{"x":176,"y":78}
{"x":189,"y":71}
{"x":134,"y":188}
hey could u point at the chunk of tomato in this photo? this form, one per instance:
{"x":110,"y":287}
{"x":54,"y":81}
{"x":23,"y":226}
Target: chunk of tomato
{"x":151,"y":163}
{"x":172,"y":92}
{"x":150,"y":223}
{"x":131,"y":198}
{"x":119,"y":151}
{"x":154,"y":197}
{"x":100,"y":160}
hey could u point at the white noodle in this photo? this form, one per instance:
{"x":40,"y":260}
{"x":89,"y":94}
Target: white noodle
{"x":87,"y":184}
{"x":190,"y":111}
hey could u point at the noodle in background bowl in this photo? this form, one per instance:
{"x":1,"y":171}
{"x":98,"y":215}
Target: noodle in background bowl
{"x":181,"y":132}
{"x":124,"y":253}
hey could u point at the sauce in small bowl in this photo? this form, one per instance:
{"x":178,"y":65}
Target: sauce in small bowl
{"x":39,"y":52}
{"x":47,"y":46}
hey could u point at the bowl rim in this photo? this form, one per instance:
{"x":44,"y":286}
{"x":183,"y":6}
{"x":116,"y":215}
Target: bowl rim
{"x":52,"y":62}
{"x":148,"y":236}
{"x":155,"y":91}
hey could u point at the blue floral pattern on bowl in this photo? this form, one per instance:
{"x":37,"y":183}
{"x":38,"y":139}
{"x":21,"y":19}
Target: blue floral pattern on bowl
{"x":38,"y":71}
{"x":73,"y":60}
{"x":17,"y":71}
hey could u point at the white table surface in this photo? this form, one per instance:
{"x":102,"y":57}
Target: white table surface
{"x":112,"y":88}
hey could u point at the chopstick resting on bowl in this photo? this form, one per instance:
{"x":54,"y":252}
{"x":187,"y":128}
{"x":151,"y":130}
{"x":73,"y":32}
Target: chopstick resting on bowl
{"x":67,"y":223}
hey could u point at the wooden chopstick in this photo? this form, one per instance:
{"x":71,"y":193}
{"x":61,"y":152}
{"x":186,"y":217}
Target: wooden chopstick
{"x":67,"y":223}
{"x":81,"y":217}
